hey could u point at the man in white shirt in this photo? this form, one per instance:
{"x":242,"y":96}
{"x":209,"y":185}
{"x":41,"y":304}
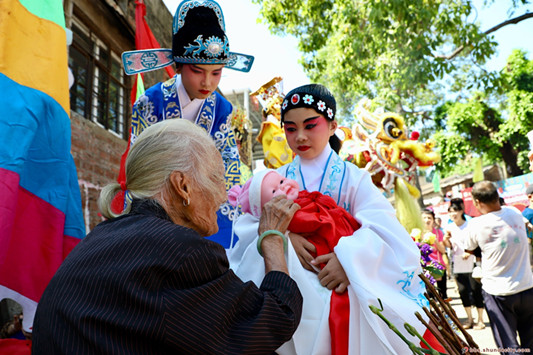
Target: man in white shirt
{"x":507,"y":277}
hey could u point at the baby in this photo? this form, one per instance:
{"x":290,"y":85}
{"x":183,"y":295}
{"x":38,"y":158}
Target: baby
{"x":320,"y":219}
{"x":323,"y":223}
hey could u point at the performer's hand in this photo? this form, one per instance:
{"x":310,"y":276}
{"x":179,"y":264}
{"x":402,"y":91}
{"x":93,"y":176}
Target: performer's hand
{"x":304,"y":249}
{"x":332,"y":276}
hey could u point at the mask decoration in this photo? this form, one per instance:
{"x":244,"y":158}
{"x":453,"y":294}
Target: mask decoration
{"x":272,"y":137}
{"x":381,"y":145}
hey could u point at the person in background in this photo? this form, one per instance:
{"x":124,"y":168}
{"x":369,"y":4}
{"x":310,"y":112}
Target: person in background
{"x":460,"y":202}
{"x":149,"y":282}
{"x":446,"y":255}
{"x":14,"y":340}
{"x":439,"y":250}
{"x":507,"y":277}
{"x":13,"y":328}
{"x":271,"y":135}
{"x":438,"y":223}
{"x":463,"y":265}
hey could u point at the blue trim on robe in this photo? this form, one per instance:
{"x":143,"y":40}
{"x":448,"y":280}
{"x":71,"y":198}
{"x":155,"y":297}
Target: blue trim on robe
{"x":161,"y":102}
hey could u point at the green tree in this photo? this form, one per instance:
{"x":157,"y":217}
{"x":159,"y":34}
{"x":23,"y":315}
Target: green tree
{"x":393,"y":51}
{"x":472,"y":126}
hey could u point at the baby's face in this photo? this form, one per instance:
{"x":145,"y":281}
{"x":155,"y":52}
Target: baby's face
{"x":274,"y":184}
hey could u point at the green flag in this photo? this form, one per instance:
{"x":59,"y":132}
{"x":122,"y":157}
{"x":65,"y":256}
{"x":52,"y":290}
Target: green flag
{"x":140,"y":86}
{"x":478,"y":170}
{"x":436,"y":181}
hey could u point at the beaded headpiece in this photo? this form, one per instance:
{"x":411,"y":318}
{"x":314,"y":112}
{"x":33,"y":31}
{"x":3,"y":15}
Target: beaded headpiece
{"x":314,"y":96}
{"x":270,"y":96}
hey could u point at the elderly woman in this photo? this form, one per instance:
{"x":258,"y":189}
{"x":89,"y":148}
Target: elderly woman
{"x":147,"y":282}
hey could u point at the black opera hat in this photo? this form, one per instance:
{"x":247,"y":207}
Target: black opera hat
{"x":198,"y":33}
{"x":198,"y":37}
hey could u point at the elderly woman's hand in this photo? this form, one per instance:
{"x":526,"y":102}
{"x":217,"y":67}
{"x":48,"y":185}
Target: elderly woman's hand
{"x":277,"y":214}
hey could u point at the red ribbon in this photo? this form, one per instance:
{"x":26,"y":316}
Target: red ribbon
{"x":323,"y":223}
{"x":339,"y":322}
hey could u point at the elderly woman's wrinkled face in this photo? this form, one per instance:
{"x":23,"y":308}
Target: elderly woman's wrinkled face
{"x":207,"y":198}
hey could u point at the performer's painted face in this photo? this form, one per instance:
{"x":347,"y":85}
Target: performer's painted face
{"x":200,"y":80}
{"x":307,"y":131}
{"x":274,"y":185}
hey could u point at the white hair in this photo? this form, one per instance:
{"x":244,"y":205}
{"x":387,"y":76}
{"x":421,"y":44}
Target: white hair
{"x":164,"y":147}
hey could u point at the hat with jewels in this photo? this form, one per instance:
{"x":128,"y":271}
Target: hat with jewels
{"x":198,"y":37}
{"x":198,"y":33}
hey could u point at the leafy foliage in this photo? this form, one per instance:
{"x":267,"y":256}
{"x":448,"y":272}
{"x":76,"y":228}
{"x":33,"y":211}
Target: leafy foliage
{"x":392,"y":50}
{"x":473,"y":127}
{"x":411,"y":57}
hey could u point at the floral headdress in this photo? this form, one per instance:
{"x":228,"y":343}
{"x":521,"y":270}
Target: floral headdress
{"x":314,"y":96}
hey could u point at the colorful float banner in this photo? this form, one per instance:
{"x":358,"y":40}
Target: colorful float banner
{"x":40,"y":203}
{"x":512,"y":190}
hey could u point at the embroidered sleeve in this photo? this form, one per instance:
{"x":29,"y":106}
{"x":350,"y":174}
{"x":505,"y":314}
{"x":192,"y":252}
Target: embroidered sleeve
{"x":158,"y":103}
{"x":142,"y":116}
{"x":227,"y":145}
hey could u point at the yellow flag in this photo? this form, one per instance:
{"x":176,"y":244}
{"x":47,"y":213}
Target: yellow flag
{"x":478,"y":170}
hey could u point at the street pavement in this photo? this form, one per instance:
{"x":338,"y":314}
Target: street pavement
{"x":482,"y":337}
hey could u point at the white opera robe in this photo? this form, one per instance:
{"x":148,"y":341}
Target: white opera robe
{"x":380,"y":259}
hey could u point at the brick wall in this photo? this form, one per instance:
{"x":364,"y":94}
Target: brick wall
{"x":97,"y":155}
{"x":97,"y":152}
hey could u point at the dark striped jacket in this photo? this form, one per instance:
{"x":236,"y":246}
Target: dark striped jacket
{"x":139,"y":284}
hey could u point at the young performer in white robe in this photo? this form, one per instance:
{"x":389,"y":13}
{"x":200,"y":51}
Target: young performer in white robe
{"x":379,"y":261}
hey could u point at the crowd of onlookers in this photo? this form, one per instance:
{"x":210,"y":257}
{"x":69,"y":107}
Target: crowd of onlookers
{"x":491,"y":259}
